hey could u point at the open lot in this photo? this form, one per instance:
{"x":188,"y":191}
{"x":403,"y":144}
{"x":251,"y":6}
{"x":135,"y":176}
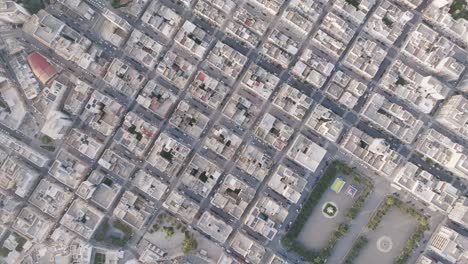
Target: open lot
{"x":388,"y":240}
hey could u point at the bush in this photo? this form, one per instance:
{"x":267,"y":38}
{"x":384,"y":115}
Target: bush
{"x":46,"y":139}
{"x":169,"y":230}
{"x":381,"y":211}
{"x":415,"y":237}
{"x":189,"y":243}
{"x":359,"y":203}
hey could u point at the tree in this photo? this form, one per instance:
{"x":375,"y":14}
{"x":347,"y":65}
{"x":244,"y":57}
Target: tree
{"x":423,"y":221}
{"x":189,"y":244}
{"x":169,"y":230}
{"x":317,"y":260}
{"x":390,"y":200}
{"x":342,"y":229}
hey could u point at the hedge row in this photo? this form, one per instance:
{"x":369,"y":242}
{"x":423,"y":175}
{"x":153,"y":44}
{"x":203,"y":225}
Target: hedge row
{"x":359,"y":203}
{"x":415,"y":237}
{"x":358,"y":245}
{"x":387,"y":204}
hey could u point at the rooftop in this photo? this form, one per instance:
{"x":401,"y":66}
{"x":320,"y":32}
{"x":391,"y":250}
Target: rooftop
{"x":266,"y":217}
{"x":82,"y":218}
{"x":167,"y":154}
{"x":50,"y":198}
{"x":233,"y":196}
{"x":201,"y":175}
{"x":287,"y":183}
{"x":306,"y":153}
{"x":214,"y":227}
{"x":254,"y":162}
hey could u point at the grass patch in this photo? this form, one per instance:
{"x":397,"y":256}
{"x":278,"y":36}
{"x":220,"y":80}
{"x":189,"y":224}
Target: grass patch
{"x":423,"y":224}
{"x":108,"y":182}
{"x":290,"y":242}
{"x":167,"y":224}
{"x":46,"y":140}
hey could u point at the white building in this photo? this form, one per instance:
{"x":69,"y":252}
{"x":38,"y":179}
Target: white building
{"x":459,"y":213}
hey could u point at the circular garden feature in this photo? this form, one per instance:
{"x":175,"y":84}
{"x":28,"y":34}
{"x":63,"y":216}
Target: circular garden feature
{"x":384,"y":244}
{"x":329,"y":209}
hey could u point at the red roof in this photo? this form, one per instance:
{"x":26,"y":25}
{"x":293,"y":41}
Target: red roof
{"x":41,"y":67}
{"x":201,"y":76}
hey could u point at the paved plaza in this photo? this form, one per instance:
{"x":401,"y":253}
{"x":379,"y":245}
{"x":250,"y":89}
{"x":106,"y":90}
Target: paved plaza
{"x":389,"y":239}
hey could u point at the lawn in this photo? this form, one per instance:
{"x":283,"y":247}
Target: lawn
{"x":290,"y":240}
